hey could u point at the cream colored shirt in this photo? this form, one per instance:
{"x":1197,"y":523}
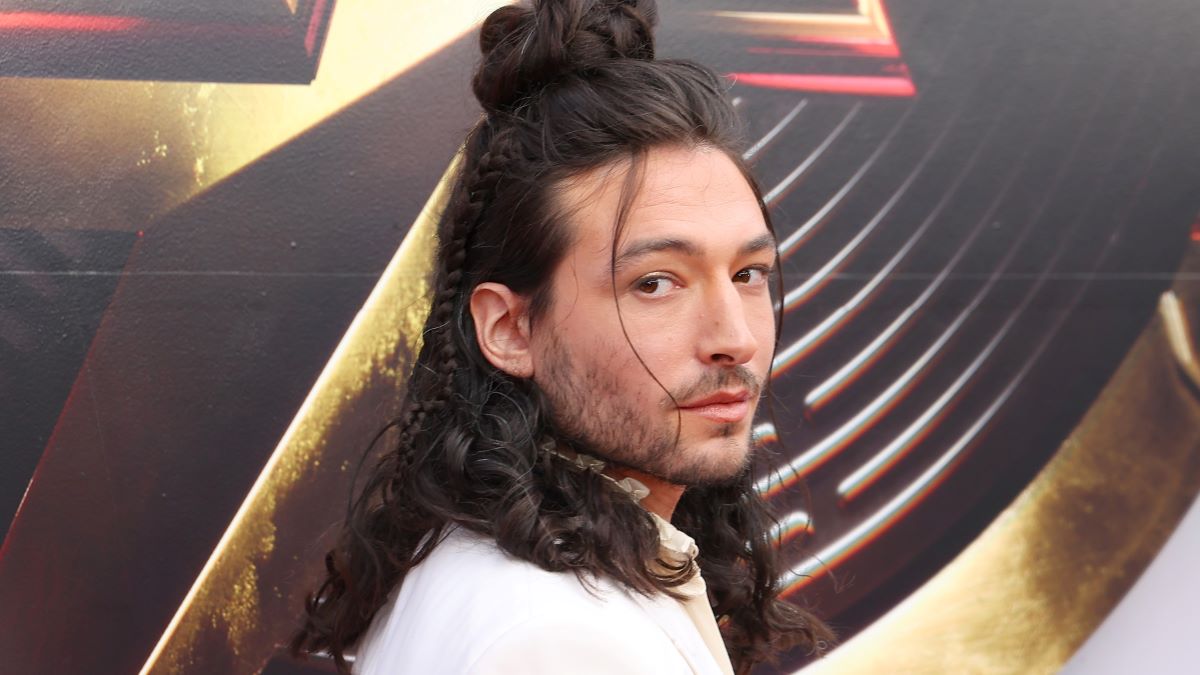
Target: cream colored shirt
{"x":470,"y":608}
{"x":680,"y":547}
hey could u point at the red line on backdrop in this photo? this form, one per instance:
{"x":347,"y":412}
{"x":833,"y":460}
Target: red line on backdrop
{"x":47,"y":22}
{"x":830,"y":84}
{"x":849,"y":51}
{"x":314,"y":23}
{"x":74,"y":23}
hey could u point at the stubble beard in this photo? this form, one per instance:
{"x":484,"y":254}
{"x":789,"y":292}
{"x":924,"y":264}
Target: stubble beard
{"x":592,"y":414}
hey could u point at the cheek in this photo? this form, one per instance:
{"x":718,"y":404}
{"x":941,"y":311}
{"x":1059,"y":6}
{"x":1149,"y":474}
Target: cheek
{"x":650,"y":346}
{"x":665,"y":349}
{"x":590,"y":328}
{"x":590,"y":331}
{"x":760,"y":316}
{"x":760,"y":319}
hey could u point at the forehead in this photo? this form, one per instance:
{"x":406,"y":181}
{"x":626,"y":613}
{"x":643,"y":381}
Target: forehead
{"x":698,"y":193}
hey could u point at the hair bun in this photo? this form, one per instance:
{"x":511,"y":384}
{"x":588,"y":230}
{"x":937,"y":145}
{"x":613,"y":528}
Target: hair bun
{"x":526,"y":48}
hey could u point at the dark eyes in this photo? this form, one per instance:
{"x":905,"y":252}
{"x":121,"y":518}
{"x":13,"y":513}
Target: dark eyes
{"x":752,"y":275}
{"x":658,"y":285}
{"x":655,"y":286}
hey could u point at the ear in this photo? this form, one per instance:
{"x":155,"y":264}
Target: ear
{"x":502,"y":328}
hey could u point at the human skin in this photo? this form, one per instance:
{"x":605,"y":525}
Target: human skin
{"x":689,"y":295}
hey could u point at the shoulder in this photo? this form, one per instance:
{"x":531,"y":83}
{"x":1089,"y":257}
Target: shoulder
{"x":467,"y":569}
{"x":469,"y":607}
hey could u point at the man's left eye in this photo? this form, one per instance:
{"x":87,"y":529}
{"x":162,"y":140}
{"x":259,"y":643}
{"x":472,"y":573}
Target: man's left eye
{"x":751,"y":276}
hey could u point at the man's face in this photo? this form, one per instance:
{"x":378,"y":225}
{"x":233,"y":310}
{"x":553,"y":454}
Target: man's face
{"x":691,"y":286}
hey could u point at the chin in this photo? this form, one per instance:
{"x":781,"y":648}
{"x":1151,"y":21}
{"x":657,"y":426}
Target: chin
{"x":721,"y":459}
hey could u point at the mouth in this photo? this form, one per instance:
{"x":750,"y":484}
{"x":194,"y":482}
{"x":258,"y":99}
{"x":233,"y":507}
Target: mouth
{"x":724,"y":407}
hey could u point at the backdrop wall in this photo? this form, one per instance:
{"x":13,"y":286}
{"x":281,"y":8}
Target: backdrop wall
{"x":215,"y":227}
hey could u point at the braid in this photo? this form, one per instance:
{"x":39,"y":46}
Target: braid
{"x":477,"y":187}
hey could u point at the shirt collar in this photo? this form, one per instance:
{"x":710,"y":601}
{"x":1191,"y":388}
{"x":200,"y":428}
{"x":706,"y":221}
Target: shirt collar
{"x":675,"y":543}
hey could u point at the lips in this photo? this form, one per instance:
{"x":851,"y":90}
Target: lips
{"x":724,"y":407}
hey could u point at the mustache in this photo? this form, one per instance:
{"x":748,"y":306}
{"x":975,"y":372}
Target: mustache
{"x":715,"y":380}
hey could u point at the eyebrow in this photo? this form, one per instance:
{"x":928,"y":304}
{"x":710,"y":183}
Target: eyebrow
{"x":641,"y":249}
{"x":758,"y":244}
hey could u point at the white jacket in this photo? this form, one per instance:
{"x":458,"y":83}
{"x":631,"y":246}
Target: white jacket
{"x":470,"y":608}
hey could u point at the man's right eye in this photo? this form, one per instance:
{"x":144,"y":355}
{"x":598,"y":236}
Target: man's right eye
{"x":655,"y":286}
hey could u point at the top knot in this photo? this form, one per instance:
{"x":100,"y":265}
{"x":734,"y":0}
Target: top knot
{"x":526,"y":48}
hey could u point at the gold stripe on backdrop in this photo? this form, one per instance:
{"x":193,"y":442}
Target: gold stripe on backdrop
{"x":249,"y":593}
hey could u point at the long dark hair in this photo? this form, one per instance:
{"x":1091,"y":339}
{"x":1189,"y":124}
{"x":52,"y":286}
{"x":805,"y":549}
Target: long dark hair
{"x":567,"y":86}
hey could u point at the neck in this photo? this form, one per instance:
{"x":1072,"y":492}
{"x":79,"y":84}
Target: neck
{"x":663,"y":495}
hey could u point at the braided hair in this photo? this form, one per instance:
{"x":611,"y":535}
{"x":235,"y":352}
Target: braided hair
{"x":566,"y":87}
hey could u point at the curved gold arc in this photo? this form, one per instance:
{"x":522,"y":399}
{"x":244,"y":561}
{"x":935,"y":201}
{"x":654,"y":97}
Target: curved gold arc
{"x":1040,"y":579}
{"x":1180,"y":335}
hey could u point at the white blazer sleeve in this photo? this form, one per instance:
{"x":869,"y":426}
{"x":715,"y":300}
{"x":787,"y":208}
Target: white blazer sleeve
{"x":557,"y":645}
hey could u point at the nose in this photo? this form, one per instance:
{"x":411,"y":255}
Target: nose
{"x":725,"y":335}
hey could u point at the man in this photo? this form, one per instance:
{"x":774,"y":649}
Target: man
{"x":569,"y":489}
